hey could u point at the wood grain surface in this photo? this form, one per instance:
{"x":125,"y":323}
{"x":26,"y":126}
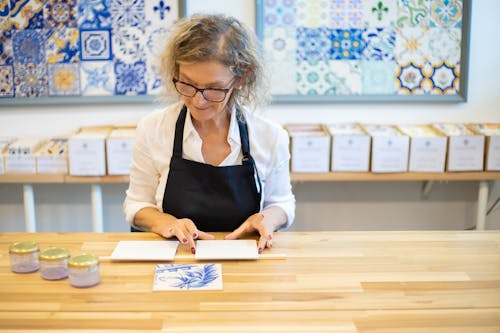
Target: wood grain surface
{"x":435,"y":281}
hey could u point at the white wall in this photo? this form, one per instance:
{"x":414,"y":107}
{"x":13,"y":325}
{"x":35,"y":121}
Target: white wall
{"x":329,"y":206}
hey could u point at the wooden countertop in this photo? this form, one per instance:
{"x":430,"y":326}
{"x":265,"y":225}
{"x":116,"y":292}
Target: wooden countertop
{"x":371,"y":282}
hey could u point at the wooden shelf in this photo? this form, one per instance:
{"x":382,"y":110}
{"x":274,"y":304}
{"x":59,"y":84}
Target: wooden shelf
{"x":296,"y":177}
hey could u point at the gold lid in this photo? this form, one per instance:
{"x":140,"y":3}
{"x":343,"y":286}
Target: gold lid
{"x":54,"y":253}
{"x":23,"y":247}
{"x":83,"y":260}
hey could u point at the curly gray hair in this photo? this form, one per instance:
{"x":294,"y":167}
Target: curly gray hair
{"x":221,"y":38}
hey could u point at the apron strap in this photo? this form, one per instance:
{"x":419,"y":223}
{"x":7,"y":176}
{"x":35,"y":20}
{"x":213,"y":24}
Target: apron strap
{"x":245,"y":147}
{"x":179,"y":133}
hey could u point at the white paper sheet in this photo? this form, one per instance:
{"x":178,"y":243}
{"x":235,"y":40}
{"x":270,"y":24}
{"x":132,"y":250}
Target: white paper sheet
{"x":188,"y":277}
{"x":145,"y":250}
{"x":226,"y":249}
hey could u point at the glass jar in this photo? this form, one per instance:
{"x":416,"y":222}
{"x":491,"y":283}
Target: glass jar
{"x":84,"y":270}
{"x":24,"y":257}
{"x":54,"y":263}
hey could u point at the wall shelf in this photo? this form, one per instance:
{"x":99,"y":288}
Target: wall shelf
{"x":27,"y":180}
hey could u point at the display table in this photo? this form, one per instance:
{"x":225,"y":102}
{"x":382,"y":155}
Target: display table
{"x":483,"y":179}
{"x":438,"y":281}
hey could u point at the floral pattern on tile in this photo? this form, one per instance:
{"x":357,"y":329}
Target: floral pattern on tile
{"x":281,"y":44}
{"x":30,"y":80}
{"x":280,"y":13}
{"x":60,"y":14}
{"x":28,"y":46}
{"x":346,"y":44}
{"x":6,"y":81}
{"x":346,"y":14}
{"x":329,"y":78}
{"x":413,"y":13}
{"x":444,"y":78}
{"x":410,"y":78}
{"x":97,"y":78}
{"x":313,"y":44}
{"x":446,"y":13}
{"x":62,"y":47}
{"x":64,"y":79}
{"x":130,"y":78}
{"x":83,"y":47}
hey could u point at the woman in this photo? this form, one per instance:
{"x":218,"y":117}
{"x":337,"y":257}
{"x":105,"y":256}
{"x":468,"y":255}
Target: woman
{"x":207,"y":163}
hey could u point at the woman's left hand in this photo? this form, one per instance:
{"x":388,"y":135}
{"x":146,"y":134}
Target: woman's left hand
{"x":254,"y":223}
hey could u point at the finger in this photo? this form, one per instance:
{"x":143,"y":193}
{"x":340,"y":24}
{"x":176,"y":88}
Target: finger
{"x":261,"y":244}
{"x":237,"y":232}
{"x":187,"y":227}
{"x":179,"y":234}
{"x":205,"y":235}
{"x":191,"y":229}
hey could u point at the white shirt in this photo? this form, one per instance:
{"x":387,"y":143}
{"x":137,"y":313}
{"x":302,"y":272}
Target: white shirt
{"x":154,"y":145}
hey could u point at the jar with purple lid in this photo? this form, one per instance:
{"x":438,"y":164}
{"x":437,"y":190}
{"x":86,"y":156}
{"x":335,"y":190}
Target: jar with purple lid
{"x":24,"y":257}
{"x":54,"y":263}
{"x":84,"y":270}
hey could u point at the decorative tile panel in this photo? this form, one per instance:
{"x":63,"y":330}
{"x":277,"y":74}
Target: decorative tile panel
{"x":78,"y":48}
{"x":393,"y":48}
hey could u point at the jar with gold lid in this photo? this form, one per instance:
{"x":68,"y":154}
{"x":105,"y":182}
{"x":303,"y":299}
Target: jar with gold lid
{"x":54,"y":263}
{"x":84,"y":270}
{"x":24,"y":257}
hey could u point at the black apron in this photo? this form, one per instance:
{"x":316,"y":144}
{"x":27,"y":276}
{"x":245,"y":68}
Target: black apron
{"x":214,"y":198}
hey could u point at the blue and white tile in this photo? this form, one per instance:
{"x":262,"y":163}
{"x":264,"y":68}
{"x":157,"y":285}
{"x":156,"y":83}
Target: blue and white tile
{"x":379,"y":43}
{"x":188,"y":277}
{"x":97,"y":78}
{"x":26,"y":14}
{"x":28,"y":46}
{"x":60,"y":14}
{"x":94,"y":14}
{"x":154,"y":47}
{"x":344,"y":77}
{"x":6,"y":81}
{"x":62,"y":46}
{"x":30,"y":80}
{"x":345,"y":14}
{"x":280,"y":13}
{"x":346,"y":44}
{"x":95,"y":45}
{"x":130,"y":78}
{"x":161,"y":13}
{"x":64,"y":79}
{"x":379,"y":77}
{"x":128,"y":13}
{"x":129,"y":44}
{"x":280,"y":44}
{"x":313,"y":44}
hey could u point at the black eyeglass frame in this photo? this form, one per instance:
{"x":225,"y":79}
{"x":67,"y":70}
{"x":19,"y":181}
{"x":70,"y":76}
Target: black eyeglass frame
{"x":202,"y":90}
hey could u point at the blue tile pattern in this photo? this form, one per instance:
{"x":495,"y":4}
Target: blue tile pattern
{"x":363,"y":47}
{"x":51,"y":48}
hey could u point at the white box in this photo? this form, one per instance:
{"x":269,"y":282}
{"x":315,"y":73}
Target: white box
{"x":52,"y":157}
{"x":427,"y":148}
{"x":465,"y":148}
{"x":389,"y":148}
{"x":350,"y":148}
{"x":492,"y":148}
{"x":119,"y":148}
{"x":87,"y":154}
{"x":310,"y":148}
{"x":20,"y":164}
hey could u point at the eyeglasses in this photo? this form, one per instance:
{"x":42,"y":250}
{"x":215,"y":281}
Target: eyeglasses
{"x":210,"y":94}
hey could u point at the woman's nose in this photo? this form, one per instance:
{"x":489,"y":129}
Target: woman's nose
{"x":199,"y":99}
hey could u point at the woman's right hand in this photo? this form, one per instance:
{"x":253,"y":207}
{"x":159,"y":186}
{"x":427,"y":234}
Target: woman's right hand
{"x":185,"y":230}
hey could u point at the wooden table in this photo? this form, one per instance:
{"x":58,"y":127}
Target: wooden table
{"x":438,"y":281}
